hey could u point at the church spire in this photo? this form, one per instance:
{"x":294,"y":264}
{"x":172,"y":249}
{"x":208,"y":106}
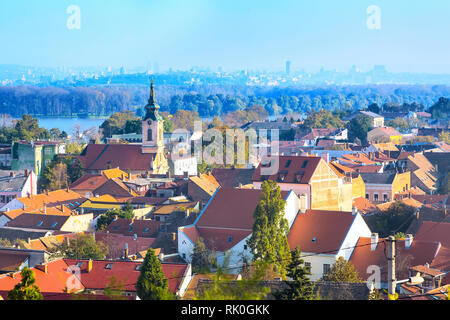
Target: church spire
{"x":152,"y":99}
{"x":152,"y":106}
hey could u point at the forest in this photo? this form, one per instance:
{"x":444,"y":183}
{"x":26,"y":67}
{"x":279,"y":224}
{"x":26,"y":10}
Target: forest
{"x":212,"y":100}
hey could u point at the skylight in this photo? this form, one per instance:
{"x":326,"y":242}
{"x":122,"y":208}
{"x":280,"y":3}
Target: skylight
{"x":109,"y":266}
{"x":40,"y":223}
{"x":131,"y":229}
{"x":54,"y":224}
{"x":147,"y":229}
{"x":305,"y":164}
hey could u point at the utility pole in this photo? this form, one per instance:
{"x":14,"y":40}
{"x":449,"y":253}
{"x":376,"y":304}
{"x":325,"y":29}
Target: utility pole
{"x":392,"y":282}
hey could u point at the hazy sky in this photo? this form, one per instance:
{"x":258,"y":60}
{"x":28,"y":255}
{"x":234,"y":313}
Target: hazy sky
{"x":233,"y":34}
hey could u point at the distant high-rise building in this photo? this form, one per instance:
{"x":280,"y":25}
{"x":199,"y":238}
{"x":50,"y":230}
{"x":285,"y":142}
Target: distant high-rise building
{"x":288,"y":67}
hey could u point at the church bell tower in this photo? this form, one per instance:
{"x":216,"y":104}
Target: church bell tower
{"x":153,"y":134}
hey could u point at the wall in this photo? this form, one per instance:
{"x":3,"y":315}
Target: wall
{"x":79,"y":223}
{"x":325,"y":191}
{"x":317,"y":262}
{"x":402,"y":182}
{"x":358,"y":187}
{"x":185,"y":245}
{"x":379,"y":189}
{"x":358,"y":229}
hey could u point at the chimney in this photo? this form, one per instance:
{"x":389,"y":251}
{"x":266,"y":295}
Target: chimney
{"x":29,"y":241}
{"x":408,"y":241}
{"x":126,"y":250}
{"x":12,"y":174}
{"x":161,"y":257}
{"x":427,"y":265}
{"x":27,"y":173}
{"x":8,"y":209}
{"x":45,"y":208}
{"x":186,"y":174}
{"x":174,"y":236}
{"x":417,"y":214}
{"x":43,"y":268}
{"x":68,"y":189}
{"x":354,"y":211}
{"x":115,"y":218}
{"x":373,"y":241}
{"x":89,"y":265}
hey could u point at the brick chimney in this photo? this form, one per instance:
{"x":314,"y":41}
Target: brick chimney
{"x":126,"y":250}
{"x":373,"y":241}
{"x":89,"y":265}
{"x":43,"y":268}
{"x":408,"y":241}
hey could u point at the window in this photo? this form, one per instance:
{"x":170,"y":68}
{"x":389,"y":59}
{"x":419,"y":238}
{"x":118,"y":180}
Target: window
{"x":79,"y":264}
{"x":138,"y":267}
{"x":109,"y":266}
{"x":375,"y":197}
{"x":304,"y":164}
{"x":131,"y":229}
{"x":54,"y":224}
{"x":146,"y":230}
{"x":230,"y":239}
{"x":367,"y":196}
{"x":326,"y":268}
{"x":308,"y":265}
{"x":149,"y":135}
{"x":385,"y":197}
{"x":288,"y":163}
{"x":245,"y":247}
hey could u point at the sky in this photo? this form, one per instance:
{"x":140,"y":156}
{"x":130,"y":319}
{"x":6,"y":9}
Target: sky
{"x":413,"y":36}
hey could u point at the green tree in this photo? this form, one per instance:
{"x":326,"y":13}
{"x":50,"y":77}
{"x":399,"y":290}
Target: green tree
{"x":301,"y":287}
{"x":358,"y":128}
{"x":322,"y":119}
{"x":114,"y":289}
{"x":81,"y":247}
{"x":249,"y":288}
{"x":201,"y":258}
{"x":396,"y":219}
{"x":26,"y":288}
{"x":152,"y":284}
{"x":342,"y":271}
{"x":269,"y":237}
{"x":105,"y":220}
{"x":399,"y":124}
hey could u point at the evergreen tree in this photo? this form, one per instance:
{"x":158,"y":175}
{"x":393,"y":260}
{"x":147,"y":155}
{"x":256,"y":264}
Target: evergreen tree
{"x":26,"y":288}
{"x":152,"y":284}
{"x":301,"y":287}
{"x":269,"y":238}
{"x":342,"y":271}
{"x":201,"y":258}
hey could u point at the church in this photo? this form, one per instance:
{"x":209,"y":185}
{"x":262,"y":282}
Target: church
{"x":148,"y":157}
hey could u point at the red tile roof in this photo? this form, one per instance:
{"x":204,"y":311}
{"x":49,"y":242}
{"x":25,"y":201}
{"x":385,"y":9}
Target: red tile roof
{"x":434,"y":231}
{"x":363,"y":205}
{"x":232,"y":208}
{"x":320,"y":231}
{"x":89,"y":182}
{"x":421,"y":252}
{"x":116,"y":244}
{"x":55,"y":280}
{"x":125,"y":272}
{"x":123,"y":156}
{"x":294,"y":169}
{"x":127,"y":227}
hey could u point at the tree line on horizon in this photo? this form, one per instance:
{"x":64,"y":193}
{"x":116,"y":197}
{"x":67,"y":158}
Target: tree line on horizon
{"x":211,"y":100}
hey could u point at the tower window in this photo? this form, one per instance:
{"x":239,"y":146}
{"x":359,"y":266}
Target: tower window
{"x":149,"y":135}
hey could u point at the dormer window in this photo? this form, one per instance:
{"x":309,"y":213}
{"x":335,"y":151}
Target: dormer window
{"x":230,"y":239}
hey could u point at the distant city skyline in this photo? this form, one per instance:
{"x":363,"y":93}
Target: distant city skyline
{"x":232,"y":35}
